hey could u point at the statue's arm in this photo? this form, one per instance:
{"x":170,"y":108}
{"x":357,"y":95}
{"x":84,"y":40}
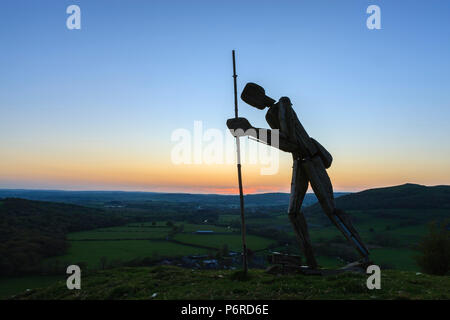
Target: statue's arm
{"x":275,"y":138}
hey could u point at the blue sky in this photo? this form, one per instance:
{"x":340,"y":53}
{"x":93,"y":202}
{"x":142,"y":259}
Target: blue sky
{"x":114,"y":91}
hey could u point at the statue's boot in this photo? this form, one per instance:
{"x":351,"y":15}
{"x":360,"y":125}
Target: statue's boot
{"x":301,"y":232}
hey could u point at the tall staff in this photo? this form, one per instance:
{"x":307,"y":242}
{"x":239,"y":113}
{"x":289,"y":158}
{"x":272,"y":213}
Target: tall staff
{"x":241,"y":192}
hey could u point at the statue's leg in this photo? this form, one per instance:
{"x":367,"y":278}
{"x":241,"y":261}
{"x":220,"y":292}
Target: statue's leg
{"x":299,"y":186}
{"x":321,"y":184}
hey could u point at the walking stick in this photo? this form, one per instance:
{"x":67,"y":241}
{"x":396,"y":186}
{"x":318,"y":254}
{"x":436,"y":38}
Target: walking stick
{"x":241,"y":192}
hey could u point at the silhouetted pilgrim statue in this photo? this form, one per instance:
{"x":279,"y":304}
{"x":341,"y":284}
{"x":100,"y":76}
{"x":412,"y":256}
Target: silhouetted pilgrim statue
{"x":311,"y":160}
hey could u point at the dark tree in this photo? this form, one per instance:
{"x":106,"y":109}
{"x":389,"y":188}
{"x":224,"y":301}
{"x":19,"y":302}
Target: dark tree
{"x":434,"y":250}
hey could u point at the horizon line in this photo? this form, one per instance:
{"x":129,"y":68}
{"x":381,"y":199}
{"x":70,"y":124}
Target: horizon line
{"x":199,"y":193}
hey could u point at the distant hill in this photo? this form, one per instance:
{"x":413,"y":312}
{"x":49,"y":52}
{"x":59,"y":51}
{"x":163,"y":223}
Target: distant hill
{"x":33,"y":230}
{"x":105,"y":198}
{"x":407,"y":196}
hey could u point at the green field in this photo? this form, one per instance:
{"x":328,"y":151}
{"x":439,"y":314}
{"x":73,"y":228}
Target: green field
{"x":91,"y":252}
{"x":149,"y":224}
{"x":395,"y":258}
{"x":234,"y":241}
{"x":124,"y":243}
{"x":393,"y":225}
{"x":195,"y":227}
{"x":145,"y":240}
{"x":120,"y":233}
{"x":227,"y":218}
{"x":149,"y":239}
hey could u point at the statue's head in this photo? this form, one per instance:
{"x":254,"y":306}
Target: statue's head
{"x":255,"y":96}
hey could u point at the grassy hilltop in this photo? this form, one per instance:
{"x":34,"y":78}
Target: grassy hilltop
{"x":167,"y":282}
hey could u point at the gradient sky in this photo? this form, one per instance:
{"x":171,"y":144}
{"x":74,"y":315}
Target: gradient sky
{"x":95,"y":108}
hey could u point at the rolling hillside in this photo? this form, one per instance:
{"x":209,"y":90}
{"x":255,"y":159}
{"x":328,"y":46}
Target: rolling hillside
{"x":407,"y":196}
{"x":390,"y":220}
{"x":33,"y":230}
{"x":404,"y":205}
